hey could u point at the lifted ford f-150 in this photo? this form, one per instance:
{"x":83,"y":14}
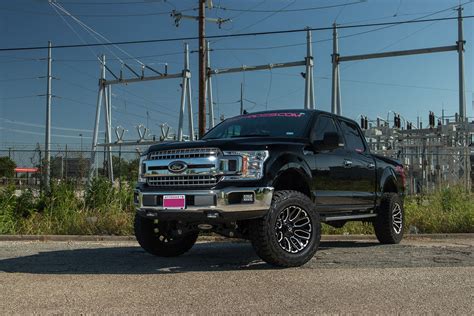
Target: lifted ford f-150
{"x":272,"y":178}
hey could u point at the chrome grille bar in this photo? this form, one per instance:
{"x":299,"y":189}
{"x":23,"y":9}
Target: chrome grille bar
{"x":182,"y":181}
{"x":183,"y":153}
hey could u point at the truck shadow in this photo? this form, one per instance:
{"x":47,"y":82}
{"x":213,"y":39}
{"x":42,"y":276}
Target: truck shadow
{"x":223,"y":256}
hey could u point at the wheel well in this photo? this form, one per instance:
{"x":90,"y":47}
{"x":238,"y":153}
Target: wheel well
{"x":292,"y":180}
{"x":390,"y":186}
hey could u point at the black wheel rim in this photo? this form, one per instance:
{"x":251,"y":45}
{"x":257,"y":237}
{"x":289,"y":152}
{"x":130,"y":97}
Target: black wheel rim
{"x":160,"y":233}
{"x":397,"y":218}
{"x":293,"y":229}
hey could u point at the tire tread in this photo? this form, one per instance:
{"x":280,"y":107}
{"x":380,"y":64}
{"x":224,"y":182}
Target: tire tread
{"x":261,"y":236}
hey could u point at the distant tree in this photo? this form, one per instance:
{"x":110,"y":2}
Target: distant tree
{"x":125,"y":169}
{"x":7,"y":167}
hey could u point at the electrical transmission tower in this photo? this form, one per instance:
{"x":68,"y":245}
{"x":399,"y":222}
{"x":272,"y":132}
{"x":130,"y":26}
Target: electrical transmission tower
{"x":204,"y":84}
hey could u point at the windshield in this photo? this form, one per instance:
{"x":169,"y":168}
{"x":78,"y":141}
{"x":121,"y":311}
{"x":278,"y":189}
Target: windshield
{"x":273,"y":124}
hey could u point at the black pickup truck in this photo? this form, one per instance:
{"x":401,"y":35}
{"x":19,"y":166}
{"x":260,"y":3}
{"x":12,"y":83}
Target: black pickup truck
{"x":272,"y":178}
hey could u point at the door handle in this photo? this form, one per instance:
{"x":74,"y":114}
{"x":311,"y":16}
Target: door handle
{"x":371,"y":166}
{"x":347,"y":163}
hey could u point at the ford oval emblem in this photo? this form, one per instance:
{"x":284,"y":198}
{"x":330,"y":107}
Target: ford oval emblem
{"x":177,"y":166}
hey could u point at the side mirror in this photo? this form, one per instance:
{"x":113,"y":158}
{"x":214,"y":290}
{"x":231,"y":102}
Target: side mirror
{"x":331,"y":141}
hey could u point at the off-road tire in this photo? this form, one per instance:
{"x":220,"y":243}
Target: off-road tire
{"x":263,"y":232}
{"x":390,"y":221}
{"x":155,"y":238}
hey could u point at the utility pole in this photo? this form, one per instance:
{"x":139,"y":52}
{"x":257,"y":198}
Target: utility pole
{"x":47,"y":142}
{"x":204,"y":82}
{"x":241,"y":98}
{"x":202,"y":69}
{"x":460,"y":46}
{"x":335,"y":66}
{"x":210,"y":100}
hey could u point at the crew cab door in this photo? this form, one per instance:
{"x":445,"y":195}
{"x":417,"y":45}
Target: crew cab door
{"x":331,"y":181}
{"x":360,"y":165}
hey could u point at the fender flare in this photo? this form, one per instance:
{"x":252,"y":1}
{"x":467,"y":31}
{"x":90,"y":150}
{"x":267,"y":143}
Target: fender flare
{"x":388,"y":175}
{"x":289,"y":163}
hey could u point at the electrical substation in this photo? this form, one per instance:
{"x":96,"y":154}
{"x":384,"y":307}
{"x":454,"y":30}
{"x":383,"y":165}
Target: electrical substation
{"x":435,"y":155}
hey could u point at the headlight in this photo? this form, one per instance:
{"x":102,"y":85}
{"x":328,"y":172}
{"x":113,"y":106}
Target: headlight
{"x":141,"y":169}
{"x":250,"y":164}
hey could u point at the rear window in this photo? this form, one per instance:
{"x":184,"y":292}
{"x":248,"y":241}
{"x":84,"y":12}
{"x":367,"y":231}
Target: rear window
{"x":273,"y":124}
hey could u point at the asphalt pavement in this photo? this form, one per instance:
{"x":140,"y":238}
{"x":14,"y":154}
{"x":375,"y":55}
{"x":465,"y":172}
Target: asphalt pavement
{"x":421,"y":275}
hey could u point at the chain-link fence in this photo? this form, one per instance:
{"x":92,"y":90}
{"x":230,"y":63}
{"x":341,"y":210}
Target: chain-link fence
{"x":26,"y":167}
{"x":425,"y":171}
{"x":428,"y":172}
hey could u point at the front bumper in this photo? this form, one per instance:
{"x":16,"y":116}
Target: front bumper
{"x":219,"y":204}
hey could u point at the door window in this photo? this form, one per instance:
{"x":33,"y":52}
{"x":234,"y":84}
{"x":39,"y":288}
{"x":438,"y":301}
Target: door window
{"x":324,"y":124}
{"x":352,"y":136}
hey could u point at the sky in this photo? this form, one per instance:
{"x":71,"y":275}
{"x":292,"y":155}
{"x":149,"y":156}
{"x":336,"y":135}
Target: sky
{"x":411,"y":86}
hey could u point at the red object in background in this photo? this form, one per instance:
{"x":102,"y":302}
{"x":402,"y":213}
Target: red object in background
{"x":27,"y":170}
{"x":401,"y":171}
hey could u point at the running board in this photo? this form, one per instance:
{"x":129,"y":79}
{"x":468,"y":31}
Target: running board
{"x":347,"y":217}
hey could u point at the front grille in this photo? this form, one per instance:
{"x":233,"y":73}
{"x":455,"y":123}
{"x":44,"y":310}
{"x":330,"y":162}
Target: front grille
{"x":183,"y":181}
{"x":183,"y":153}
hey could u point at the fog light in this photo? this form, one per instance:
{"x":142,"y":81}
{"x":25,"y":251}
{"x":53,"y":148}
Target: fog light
{"x":247,"y":198}
{"x":212,"y":215}
{"x":205,"y":226}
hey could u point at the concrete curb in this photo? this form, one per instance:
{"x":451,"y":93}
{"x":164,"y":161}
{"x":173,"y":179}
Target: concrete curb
{"x":214,"y":238}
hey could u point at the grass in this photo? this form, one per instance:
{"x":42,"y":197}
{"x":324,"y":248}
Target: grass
{"x":105,"y":210}
{"x":100,"y":210}
{"x":450,"y":210}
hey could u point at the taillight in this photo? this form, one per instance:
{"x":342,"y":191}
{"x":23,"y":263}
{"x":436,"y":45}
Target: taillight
{"x":401,"y":172}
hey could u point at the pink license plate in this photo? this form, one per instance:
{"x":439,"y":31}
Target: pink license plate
{"x":174,"y":202}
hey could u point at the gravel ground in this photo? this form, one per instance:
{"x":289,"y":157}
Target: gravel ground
{"x":421,"y":275}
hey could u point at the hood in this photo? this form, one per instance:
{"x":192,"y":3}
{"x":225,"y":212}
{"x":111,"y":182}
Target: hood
{"x":237,"y":143}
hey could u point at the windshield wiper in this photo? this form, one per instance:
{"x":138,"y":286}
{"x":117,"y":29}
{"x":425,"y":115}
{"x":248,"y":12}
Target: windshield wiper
{"x":251,"y":135}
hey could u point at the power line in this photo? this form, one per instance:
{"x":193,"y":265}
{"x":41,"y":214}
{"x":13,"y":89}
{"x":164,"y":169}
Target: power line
{"x":341,"y":26}
{"x":125,"y":58}
{"x":120,"y":98}
{"x":91,"y":31}
{"x":19,"y":79}
{"x":19,"y":61}
{"x":423,"y":18}
{"x":108,"y":3}
{"x":94,"y":15}
{"x":289,"y":10}
{"x":244,"y":12}
{"x":266,"y":17}
{"x":39,"y":134}
{"x":340,"y":11}
{"x":375,"y":83}
{"x":42,"y":126}
{"x":146,"y":107}
{"x":20,"y":97}
{"x":94,"y":106}
{"x":394,"y":43}
{"x":175,"y":39}
{"x":72,"y":29}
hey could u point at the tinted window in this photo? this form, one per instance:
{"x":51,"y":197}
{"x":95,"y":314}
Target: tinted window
{"x":352,"y":136}
{"x":324,"y":124}
{"x":275,"y":124}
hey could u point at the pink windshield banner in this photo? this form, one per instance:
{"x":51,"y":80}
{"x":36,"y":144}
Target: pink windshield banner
{"x":275,"y":114}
